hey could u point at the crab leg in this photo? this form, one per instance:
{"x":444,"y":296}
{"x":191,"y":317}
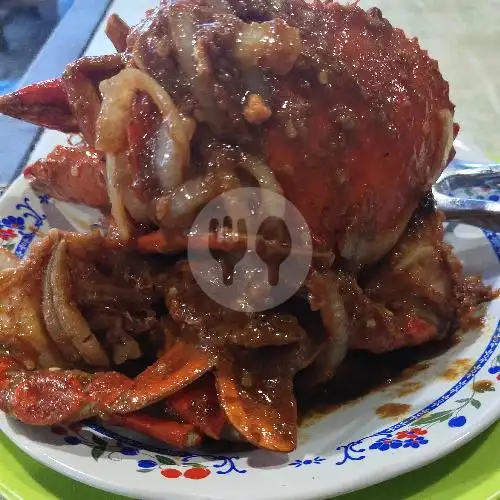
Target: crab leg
{"x":198,"y":405}
{"x":47,"y":397}
{"x":168,"y":431}
{"x":258,"y":401}
{"x":80,"y":81}
{"x":117,"y":30}
{"x":158,"y":242}
{"x":45,"y":104}
{"x":73,"y":174}
{"x":181,"y":365}
{"x":71,"y":103}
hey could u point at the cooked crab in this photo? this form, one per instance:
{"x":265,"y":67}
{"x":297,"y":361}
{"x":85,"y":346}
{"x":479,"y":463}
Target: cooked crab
{"x":346,"y":115}
{"x":325,"y":104}
{"x":88,"y":307}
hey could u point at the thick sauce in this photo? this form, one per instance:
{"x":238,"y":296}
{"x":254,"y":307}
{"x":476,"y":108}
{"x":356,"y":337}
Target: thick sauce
{"x":393,"y":410}
{"x":456,"y":369}
{"x":362,"y":373}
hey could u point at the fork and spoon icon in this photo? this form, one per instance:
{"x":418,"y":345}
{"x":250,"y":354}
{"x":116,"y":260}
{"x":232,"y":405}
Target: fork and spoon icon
{"x":266,"y":257}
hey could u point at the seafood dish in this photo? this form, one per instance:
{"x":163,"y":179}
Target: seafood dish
{"x":323,"y":105}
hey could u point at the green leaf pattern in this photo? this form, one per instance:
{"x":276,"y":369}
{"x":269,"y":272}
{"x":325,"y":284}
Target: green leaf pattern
{"x":440,"y":416}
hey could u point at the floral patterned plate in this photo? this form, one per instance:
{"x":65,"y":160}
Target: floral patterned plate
{"x":442,"y":406}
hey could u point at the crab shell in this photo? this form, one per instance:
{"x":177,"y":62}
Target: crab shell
{"x":379,"y":131}
{"x":356,"y":130}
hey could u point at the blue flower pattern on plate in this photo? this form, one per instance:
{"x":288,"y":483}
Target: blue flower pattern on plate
{"x":13,"y":222}
{"x":415,"y":442}
{"x":459,"y":421}
{"x":129,"y":451}
{"x":386,"y":443}
{"x":308,"y":461}
{"x":146,"y":464}
{"x":72,"y":440}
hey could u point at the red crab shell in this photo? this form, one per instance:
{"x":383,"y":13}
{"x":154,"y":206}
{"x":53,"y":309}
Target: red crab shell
{"x":357,"y":132}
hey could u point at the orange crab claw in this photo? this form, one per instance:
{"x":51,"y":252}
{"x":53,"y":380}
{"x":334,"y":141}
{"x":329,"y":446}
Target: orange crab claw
{"x":70,"y":103}
{"x":172,"y":433}
{"x":117,"y":30}
{"x":177,"y":368}
{"x":46,"y":397}
{"x":43,"y":397}
{"x":259,"y":402}
{"x":45,"y":104}
{"x":198,"y":405}
{"x":75,"y":174}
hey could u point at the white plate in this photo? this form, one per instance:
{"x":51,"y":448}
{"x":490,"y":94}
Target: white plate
{"x":346,"y":450}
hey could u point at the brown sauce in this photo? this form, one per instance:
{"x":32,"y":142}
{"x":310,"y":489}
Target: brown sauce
{"x":412,"y":371}
{"x":406,"y":388}
{"x":456,"y":369}
{"x":392,"y":410}
{"x":362,"y":373}
{"x":483,"y":386}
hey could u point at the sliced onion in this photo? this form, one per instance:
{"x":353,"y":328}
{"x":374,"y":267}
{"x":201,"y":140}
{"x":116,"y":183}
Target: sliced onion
{"x":167,"y":159}
{"x":137,"y":209}
{"x":118,"y":211}
{"x":447,"y":120}
{"x":187,"y":198}
{"x":272,"y":205}
{"x":192,"y":57}
{"x":271,"y":44}
{"x":324,"y":295}
{"x":65,"y":323}
{"x":116,"y":112}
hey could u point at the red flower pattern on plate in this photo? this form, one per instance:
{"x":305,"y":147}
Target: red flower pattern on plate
{"x":411,"y":433}
{"x":7,"y":233}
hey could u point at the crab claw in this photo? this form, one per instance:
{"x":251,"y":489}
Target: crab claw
{"x":43,"y":397}
{"x":81,"y":81}
{"x":181,"y":365}
{"x":258,"y":401}
{"x":44,"y":104}
{"x":113,"y":392}
{"x":172,"y":433}
{"x":75,"y":174}
{"x":46,"y":397}
{"x":198,"y":405}
{"x":70,"y":103}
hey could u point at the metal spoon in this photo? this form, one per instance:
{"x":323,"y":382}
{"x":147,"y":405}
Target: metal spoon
{"x":481,"y":213}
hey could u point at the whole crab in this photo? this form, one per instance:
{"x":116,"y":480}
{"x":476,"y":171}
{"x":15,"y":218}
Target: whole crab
{"x":326,"y":104}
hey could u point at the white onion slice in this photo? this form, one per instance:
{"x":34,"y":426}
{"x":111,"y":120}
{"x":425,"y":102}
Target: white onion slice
{"x":324,"y":295}
{"x":116,"y":111}
{"x":167,"y":159}
{"x":186,"y":199}
{"x":272,"y":205}
{"x":123,"y":181}
{"x":117,"y":206}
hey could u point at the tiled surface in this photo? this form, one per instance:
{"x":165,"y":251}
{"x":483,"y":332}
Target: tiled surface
{"x":464,"y":36}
